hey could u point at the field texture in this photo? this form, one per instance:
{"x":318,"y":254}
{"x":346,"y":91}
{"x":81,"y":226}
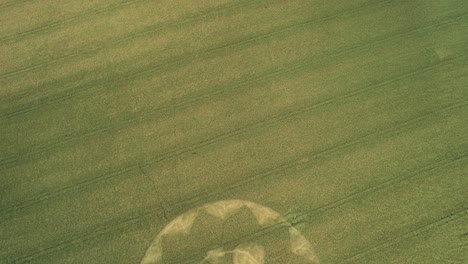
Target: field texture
{"x":233,"y":131}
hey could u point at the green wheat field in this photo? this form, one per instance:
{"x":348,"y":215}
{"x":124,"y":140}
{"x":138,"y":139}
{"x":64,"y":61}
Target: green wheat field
{"x":347,"y":121}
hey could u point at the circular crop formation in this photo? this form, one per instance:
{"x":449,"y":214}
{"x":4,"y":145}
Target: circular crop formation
{"x":230,"y":231}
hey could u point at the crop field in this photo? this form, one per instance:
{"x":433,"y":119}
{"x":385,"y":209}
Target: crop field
{"x":233,"y":131}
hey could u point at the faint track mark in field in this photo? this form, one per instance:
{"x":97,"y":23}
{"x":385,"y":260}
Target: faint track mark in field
{"x":333,"y":205}
{"x":359,"y":194}
{"x":141,"y":216}
{"x":303,"y":217}
{"x":95,"y":49}
{"x":182,"y":103}
{"x":415,"y":232}
{"x":72,"y":20}
{"x":403,"y":177}
{"x":213,"y":140}
{"x":80,"y":88}
{"x":175,"y":61}
{"x":308,"y":158}
{"x":382,"y":185}
{"x":193,"y":199}
{"x":12,"y":3}
{"x":162,"y":200}
{"x":102,"y":88}
{"x":53,"y":25}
